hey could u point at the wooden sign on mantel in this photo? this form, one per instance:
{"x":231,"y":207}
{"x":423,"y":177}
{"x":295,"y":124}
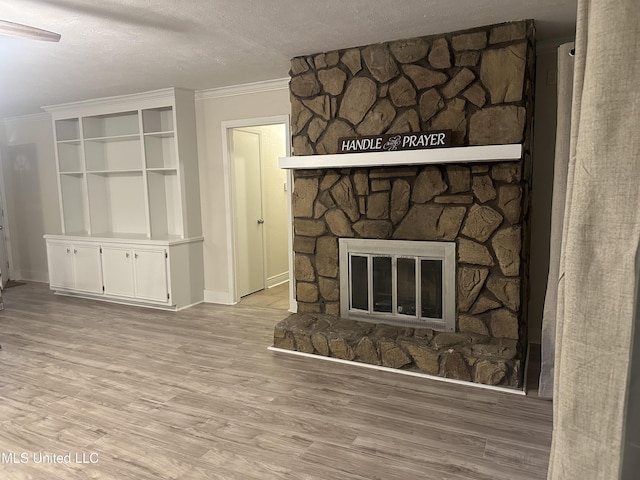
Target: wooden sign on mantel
{"x":398,"y":141}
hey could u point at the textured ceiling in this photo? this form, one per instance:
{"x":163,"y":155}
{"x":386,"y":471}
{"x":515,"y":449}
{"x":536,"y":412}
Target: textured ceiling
{"x":112,"y":47}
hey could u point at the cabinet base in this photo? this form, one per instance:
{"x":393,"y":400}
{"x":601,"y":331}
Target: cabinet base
{"x":123,"y":301}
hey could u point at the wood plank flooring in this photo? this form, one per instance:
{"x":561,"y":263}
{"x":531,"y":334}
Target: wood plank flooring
{"x":197,"y":395}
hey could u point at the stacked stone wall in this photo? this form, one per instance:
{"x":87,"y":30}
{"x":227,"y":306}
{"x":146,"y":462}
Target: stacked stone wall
{"x":477,"y":83}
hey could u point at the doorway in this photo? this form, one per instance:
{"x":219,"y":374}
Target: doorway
{"x":259,"y":204}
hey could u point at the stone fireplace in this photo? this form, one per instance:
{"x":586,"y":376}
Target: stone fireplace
{"x":476,"y":83}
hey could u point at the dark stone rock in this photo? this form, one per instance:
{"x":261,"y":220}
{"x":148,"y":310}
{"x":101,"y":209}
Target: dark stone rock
{"x":338,"y":223}
{"x":425,"y":359}
{"x":508,"y":32}
{"x":497,"y":125}
{"x":332,"y":80}
{"x":329,"y":141}
{"x":440,"y":56}
{"x":327,"y":257}
{"x":473,"y":253}
{"x":358,"y":98}
{"x":476,"y":95}
{"x":430,"y":103}
{"x":409,"y":51}
{"x":380,"y":185}
{"x":489,"y":373}
{"x":329,"y":179}
{"x":400,"y":192}
{"x":393,"y":172}
{"x":449,"y":339}
{"x":378,"y":206}
{"x":352,"y":60}
{"x":504,"y":323}
{"x":380,"y":62}
{"x":510,"y":172}
{"x":483,"y":188}
{"x":502,"y":72}
{"x":298,"y":65}
{"x":484,"y":303}
{"x":402,"y":93}
{"x":377,"y":119}
{"x":468,"y":323}
{"x":326,"y":199}
{"x":481,"y":222}
{"x":470,"y":283}
{"x":320,"y":343}
{"x":430,"y":222}
{"x":452,"y":365}
{"x":341,"y":349}
{"x":304,"y":195}
{"x":308,"y":308}
{"x":507,"y":290}
{"x":300,"y":116}
{"x":332,"y":308}
{"x":423,"y":77}
{"x":329,"y":289}
{"x":316,"y":127}
{"x":320,"y":105}
{"x":304,"y":244}
{"x":303,"y":268}
{"x":459,"y":178}
{"x":392,"y":355}
{"x":469,"y":41}
{"x":373,"y":228}
{"x":506,"y":244}
{"x":366,"y":352}
{"x":406,"y":122}
{"x":309,"y":228}
{"x":509,"y":200}
{"x":428,"y":184}
{"x":454,"y":118}
{"x":502,"y":348}
{"x":283,"y":338}
{"x":303,"y":342}
{"x":459,"y":82}
{"x":305,"y":85}
{"x":361,"y":182}
{"x":301,"y":145}
{"x":306,"y":292}
{"x":342,"y":193}
{"x":455,"y":199}
{"x":467,"y":59}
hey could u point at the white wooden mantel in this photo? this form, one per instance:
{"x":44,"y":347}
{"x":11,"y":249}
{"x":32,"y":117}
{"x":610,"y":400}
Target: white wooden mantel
{"x":482,"y":153}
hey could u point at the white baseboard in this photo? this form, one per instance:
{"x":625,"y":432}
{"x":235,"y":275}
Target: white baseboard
{"x":29,"y":276}
{"x":277,"y":279}
{"x":224,"y":298}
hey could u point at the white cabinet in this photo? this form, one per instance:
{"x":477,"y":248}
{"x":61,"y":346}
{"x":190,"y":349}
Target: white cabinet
{"x":161,"y":274}
{"x":139,"y":273}
{"x":75,"y":266}
{"x":128,"y":182}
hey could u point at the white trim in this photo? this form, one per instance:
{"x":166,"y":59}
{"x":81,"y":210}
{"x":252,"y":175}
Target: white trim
{"x":223,"y":298}
{"x":228,"y":191}
{"x":481,"y":153}
{"x":11,"y":273}
{"x":20,"y":118}
{"x":243,"y":89}
{"x":277,"y":279}
{"x":513,"y":391}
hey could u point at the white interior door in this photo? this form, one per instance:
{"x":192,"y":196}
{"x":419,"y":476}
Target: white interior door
{"x":250,"y":260}
{"x":4,"y":258}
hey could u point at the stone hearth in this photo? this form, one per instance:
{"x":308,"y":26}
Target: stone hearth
{"x":477,"y":83}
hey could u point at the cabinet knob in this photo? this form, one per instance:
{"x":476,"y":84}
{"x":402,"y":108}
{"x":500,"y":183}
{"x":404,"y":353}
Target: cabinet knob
{"x":135,"y":255}
{"x":127,"y":254}
{"x":68,"y":250}
{"x":75,"y":250}
{"x":260,"y":221}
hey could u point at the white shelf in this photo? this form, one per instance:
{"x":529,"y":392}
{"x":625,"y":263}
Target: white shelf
{"x":483,"y":153}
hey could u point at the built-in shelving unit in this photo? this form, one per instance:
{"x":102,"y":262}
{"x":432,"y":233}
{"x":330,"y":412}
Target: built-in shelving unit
{"x":127,"y":168}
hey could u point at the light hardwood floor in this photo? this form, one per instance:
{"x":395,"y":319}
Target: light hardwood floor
{"x":197,"y":395}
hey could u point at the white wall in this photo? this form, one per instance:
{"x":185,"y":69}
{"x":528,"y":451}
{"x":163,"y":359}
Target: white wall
{"x":31,"y":188}
{"x":213,"y":108}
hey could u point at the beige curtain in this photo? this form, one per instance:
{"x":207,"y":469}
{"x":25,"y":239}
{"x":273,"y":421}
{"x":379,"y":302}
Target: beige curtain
{"x":597,"y":292}
{"x":560,"y":170}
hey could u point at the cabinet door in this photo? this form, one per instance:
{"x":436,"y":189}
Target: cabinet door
{"x":87,"y":268}
{"x":60,"y":265}
{"x":117,"y":269}
{"x":151,"y":274}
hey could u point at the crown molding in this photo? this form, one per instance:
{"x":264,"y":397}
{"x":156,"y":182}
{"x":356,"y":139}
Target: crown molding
{"x":243,"y":89}
{"x":24,"y":118}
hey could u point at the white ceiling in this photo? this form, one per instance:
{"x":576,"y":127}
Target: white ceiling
{"x":112,"y":47}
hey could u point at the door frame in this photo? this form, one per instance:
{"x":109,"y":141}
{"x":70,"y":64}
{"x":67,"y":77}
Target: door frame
{"x":230,"y":208}
{"x":3,"y":205}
